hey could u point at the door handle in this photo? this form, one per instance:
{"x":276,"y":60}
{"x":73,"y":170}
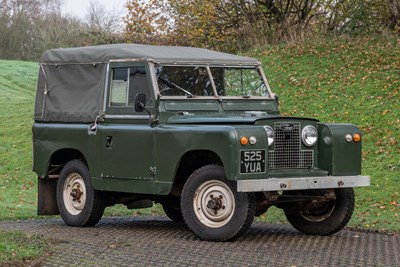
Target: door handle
{"x":109,"y":142}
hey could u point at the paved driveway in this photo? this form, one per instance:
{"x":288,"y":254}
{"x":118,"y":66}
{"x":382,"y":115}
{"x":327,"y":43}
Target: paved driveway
{"x":156,"y":241}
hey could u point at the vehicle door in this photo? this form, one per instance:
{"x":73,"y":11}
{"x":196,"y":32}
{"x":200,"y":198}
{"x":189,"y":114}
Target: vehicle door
{"x":126,"y":138}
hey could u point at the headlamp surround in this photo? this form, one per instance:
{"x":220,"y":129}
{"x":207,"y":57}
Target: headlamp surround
{"x":309,"y":135}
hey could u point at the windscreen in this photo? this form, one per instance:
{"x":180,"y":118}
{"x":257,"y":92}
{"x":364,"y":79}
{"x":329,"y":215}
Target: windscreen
{"x":191,"y":81}
{"x":186,"y":81}
{"x":244,"y":82}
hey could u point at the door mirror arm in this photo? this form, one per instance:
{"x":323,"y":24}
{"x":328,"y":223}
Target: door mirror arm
{"x":276,"y":99}
{"x":140,"y":106}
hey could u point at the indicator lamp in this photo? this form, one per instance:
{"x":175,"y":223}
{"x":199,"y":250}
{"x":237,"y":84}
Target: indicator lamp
{"x":244,"y":141}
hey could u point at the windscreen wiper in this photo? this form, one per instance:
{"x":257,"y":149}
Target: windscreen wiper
{"x":175,"y":86}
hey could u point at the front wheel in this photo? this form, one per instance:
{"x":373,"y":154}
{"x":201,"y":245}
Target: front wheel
{"x":327,"y":219}
{"x":79,"y":204}
{"x":212,"y":208}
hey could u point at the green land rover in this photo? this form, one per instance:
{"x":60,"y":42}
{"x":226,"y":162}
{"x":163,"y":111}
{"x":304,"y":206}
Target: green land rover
{"x":195,"y":130}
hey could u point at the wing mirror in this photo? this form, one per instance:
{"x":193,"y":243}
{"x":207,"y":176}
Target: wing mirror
{"x":140,"y":106}
{"x":276,"y":99}
{"x":140,"y":102}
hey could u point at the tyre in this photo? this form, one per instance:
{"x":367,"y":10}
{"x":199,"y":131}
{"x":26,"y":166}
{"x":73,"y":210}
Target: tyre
{"x":328,"y":219}
{"x":79,"y":204}
{"x":172,"y":208}
{"x":212,"y":208}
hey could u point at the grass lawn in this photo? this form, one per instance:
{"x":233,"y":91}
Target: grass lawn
{"x":355,"y":81}
{"x":18,"y":247}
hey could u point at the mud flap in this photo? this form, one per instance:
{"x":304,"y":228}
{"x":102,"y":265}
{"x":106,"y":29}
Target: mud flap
{"x":47,"y":200}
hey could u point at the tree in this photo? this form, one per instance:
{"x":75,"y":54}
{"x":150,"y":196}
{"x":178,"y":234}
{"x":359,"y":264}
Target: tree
{"x":394,"y":14}
{"x":17,"y":16}
{"x":241,"y":24}
{"x":103,"y":25}
{"x":178,"y":22}
{"x":147,"y":21}
{"x":30,"y":27}
{"x":55,"y":31}
{"x":221,"y":24}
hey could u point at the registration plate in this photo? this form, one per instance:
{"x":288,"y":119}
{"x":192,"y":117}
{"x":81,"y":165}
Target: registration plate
{"x":252,"y":161}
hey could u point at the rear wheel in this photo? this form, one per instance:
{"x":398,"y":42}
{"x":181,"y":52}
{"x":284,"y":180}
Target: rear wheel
{"x":79,"y":204}
{"x":326,"y":219}
{"x":212,"y":208}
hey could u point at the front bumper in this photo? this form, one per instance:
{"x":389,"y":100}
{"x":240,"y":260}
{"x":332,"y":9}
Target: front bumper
{"x":302,"y":183}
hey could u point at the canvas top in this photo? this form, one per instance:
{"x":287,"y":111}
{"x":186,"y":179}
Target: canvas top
{"x":162,"y":54}
{"x":72,"y":81}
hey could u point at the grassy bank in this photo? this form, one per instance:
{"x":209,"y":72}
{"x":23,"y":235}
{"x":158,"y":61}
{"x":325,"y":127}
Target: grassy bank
{"x":349,"y":81}
{"x":17,"y":182}
{"x":355,"y":81}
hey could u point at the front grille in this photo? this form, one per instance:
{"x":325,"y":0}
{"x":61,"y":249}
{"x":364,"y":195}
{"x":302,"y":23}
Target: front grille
{"x":286,"y":152}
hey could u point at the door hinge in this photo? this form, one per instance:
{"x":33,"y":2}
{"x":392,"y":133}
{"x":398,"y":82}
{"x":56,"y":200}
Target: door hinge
{"x":153,"y":170}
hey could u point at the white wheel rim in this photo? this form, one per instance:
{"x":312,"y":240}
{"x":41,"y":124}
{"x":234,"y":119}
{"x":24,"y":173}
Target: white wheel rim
{"x":74,"y":194}
{"x":214,"y":203}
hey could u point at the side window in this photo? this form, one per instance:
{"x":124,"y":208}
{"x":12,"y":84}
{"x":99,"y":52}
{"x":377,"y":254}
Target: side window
{"x":126,"y":84}
{"x":119,"y":87}
{"x":138,"y":83}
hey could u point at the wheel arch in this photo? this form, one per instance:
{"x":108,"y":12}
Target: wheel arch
{"x":61,"y":157}
{"x":47,"y":184}
{"x":190,"y":162}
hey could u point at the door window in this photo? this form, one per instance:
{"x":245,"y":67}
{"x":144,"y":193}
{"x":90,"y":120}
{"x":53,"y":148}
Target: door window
{"x":126,"y":84}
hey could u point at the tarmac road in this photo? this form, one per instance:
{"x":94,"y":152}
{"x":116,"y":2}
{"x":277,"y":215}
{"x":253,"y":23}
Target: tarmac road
{"x":157,"y":241}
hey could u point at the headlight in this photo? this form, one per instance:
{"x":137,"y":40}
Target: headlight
{"x":270,"y":135}
{"x":309,"y":135}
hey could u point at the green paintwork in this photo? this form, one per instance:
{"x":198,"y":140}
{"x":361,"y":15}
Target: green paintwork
{"x":128,"y":153}
{"x":336,"y":155}
{"x":136,"y":146}
{"x":51,"y":138}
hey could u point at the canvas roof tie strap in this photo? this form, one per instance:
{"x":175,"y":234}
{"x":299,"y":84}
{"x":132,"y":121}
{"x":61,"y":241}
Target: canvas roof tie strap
{"x":46,"y":91}
{"x":93,"y":127}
